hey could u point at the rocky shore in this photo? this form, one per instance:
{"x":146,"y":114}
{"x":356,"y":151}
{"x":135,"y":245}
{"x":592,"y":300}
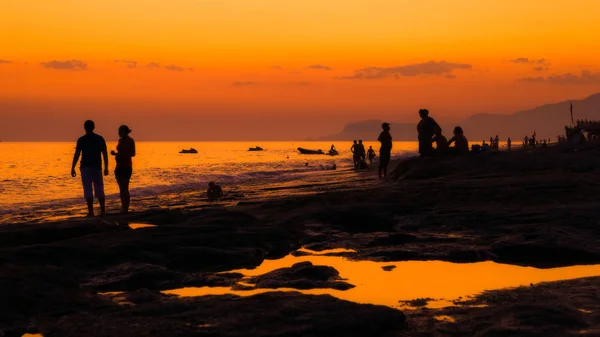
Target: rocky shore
{"x":99,"y":277}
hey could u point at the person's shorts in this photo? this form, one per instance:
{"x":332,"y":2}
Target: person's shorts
{"x":123,"y":173}
{"x":92,"y":181}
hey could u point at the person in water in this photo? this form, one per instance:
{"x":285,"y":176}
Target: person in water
{"x":354,"y":151}
{"x":92,"y":149}
{"x":214,"y":191}
{"x":385,"y":151}
{"x":441,"y":143}
{"x":124,"y":168}
{"x":509,"y":143}
{"x":426,"y":129}
{"x":371,"y":154}
{"x":362,"y":153}
{"x":333,"y":167}
{"x":332,"y":148}
{"x":461,"y":144}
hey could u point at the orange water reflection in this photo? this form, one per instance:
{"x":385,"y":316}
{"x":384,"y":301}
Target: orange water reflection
{"x":409,"y":280}
{"x":140,"y":225}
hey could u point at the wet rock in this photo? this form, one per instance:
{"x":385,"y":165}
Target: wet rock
{"x":271,"y":314}
{"x":303,"y":275}
{"x":388,"y":268}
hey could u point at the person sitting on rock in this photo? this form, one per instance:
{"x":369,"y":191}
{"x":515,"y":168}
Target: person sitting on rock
{"x":440,"y":141}
{"x":214,"y":191}
{"x":461,"y":144}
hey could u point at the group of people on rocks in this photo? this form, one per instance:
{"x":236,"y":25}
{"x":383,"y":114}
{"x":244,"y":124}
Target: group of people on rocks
{"x":92,"y":150}
{"x":429,"y":133}
{"x":533,"y":142}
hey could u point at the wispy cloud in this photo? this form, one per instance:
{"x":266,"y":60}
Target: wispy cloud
{"x":129,"y":64}
{"x":5,"y":62}
{"x":65,"y":65}
{"x":277,"y":67}
{"x":450,"y":76}
{"x":541,"y":64}
{"x":586,"y":77}
{"x":243,"y":83}
{"x":173,"y":67}
{"x":430,"y":68}
{"x":319,"y":67}
{"x":153,"y":65}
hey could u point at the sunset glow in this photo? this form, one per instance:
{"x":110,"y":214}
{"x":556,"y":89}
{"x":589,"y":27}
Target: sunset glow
{"x":308,"y":59}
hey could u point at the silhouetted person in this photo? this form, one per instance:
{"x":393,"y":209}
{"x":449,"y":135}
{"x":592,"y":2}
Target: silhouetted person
{"x":361,"y":150}
{"x":509,"y":143}
{"x":124,"y":168}
{"x":441,"y":143}
{"x":426,"y":130}
{"x":525,"y":141}
{"x":92,"y":149}
{"x":355,"y":154}
{"x":385,"y":151}
{"x":214,"y":191}
{"x":461,"y":144}
{"x":332,"y":147}
{"x":371,"y":154}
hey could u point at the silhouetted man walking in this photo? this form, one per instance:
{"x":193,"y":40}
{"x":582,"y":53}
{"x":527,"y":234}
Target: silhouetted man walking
{"x":91,"y":147}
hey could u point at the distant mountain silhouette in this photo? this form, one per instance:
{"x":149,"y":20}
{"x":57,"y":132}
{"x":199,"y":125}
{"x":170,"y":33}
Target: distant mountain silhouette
{"x":548,"y":121}
{"x":370,"y":129}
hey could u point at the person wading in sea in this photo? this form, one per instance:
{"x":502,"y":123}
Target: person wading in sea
{"x":124,"y":168}
{"x":92,"y":149}
{"x":371,"y":154}
{"x":385,"y":151}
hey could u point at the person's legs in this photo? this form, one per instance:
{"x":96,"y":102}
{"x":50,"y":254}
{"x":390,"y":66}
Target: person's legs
{"x":86,"y":181}
{"x":99,"y":190}
{"x":386,"y":162}
{"x":123,"y":176}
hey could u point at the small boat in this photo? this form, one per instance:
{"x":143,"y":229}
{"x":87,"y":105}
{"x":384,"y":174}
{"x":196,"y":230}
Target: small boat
{"x":258,"y":148}
{"x":192,"y":150}
{"x":307,"y":151}
{"x":333,"y":153}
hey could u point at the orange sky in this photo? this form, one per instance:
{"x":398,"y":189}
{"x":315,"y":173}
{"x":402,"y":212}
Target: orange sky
{"x":272,"y":59}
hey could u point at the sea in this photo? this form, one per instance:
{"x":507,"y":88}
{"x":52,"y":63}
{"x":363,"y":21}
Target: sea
{"x":36,"y":184}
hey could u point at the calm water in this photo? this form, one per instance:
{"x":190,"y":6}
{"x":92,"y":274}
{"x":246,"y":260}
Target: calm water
{"x":408,"y":280}
{"x":36,"y":176}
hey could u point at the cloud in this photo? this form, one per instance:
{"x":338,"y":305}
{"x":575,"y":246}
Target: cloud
{"x":5,"y":62}
{"x":277,"y":67}
{"x":65,"y":65}
{"x":586,"y":77}
{"x":173,"y":67}
{"x":153,"y":65}
{"x":450,"y":76}
{"x":542,"y":64}
{"x":243,"y":84}
{"x":318,"y":67}
{"x":129,"y":64}
{"x":432,"y":68}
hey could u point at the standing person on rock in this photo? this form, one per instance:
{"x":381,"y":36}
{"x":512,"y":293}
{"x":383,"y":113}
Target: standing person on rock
{"x":92,"y":149}
{"x":385,"y":151}
{"x":124,"y":168}
{"x":426,"y":129}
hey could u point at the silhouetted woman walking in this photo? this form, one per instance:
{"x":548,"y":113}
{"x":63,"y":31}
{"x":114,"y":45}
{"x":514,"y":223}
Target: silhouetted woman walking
{"x":124,"y":168}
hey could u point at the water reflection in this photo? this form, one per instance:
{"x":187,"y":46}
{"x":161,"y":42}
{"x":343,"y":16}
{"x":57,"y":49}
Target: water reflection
{"x":409,"y":280}
{"x":32,"y":335}
{"x":140,"y":225}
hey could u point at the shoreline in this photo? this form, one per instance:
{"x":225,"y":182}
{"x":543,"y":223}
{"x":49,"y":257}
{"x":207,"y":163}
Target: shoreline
{"x":522,"y":208}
